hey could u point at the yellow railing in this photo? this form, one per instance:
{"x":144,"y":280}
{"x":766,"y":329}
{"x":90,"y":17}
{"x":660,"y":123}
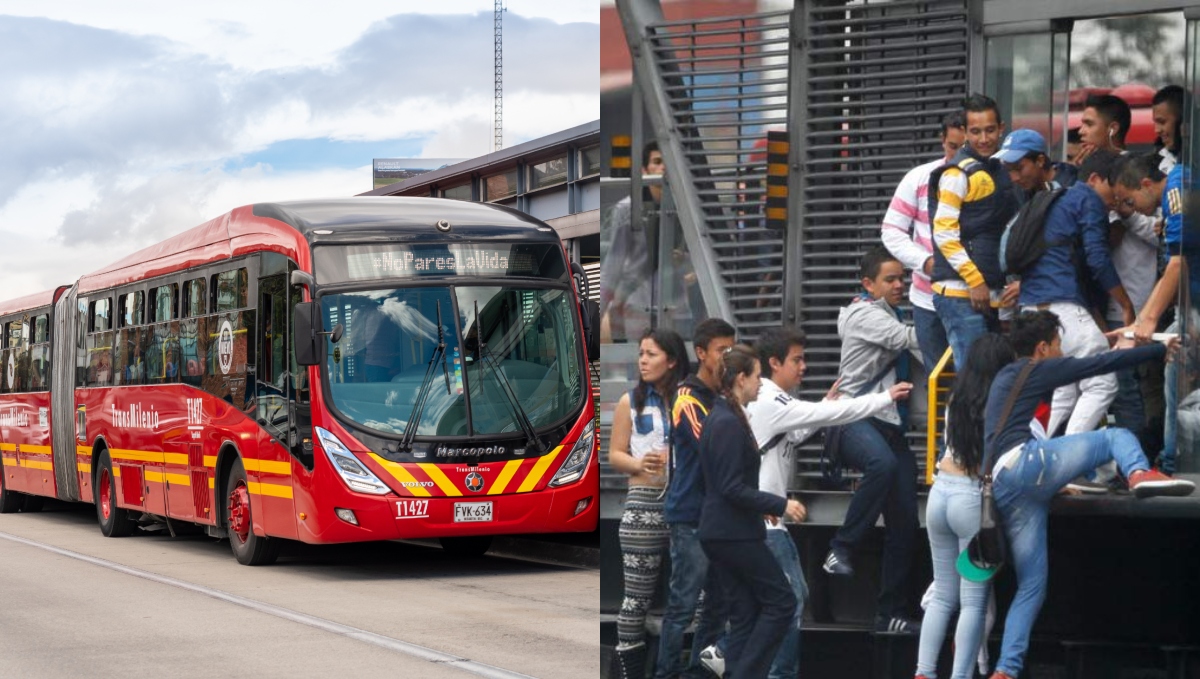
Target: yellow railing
{"x":940,"y":380}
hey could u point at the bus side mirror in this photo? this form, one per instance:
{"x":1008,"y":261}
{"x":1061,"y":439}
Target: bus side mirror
{"x":591,"y":312}
{"x":306,"y":329}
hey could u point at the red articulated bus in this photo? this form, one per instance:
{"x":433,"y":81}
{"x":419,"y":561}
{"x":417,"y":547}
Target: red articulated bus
{"x":324,"y":371}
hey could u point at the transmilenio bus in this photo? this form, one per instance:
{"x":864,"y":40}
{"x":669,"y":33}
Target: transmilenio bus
{"x":324,"y":371}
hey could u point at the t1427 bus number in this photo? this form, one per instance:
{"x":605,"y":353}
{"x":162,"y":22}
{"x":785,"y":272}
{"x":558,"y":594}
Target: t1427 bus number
{"x":412,"y":509}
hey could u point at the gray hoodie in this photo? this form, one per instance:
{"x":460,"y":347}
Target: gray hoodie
{"x":872,"y":337}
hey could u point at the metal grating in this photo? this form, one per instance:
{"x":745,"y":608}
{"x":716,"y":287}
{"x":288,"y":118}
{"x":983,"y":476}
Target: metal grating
{"x":877,"y":79}
{"x":724,"y":82}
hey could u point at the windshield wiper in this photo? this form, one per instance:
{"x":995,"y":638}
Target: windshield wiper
{"x":513,"y":402}
{"x":414,"y":418}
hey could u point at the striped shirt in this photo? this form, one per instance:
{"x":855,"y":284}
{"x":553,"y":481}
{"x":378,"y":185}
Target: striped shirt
{"x":954,"y":189}
{"x":909,"y":213}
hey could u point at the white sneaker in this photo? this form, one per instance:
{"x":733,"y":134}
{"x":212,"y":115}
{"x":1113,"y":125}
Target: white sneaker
{"x":713,"y":661}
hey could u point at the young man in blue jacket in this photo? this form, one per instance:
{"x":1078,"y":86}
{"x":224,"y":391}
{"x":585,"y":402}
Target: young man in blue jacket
{"x":685,"y":494}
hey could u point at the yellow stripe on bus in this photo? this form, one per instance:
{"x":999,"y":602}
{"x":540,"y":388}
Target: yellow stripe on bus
{"x":136,"y":455}
{"x":84,"y":467}
{"x":35,"y":450}
{"x":539,"y":470}
{"x":407,"y":481}
{"x":506,"y":474}
{"x":177,"y":479}
{"x":8,"y":447}
{"x":272,"y":489}
{"x":83,"y":450}
{"x":37,"y":464}
{"x":180,"y":459}
{"x":117,"y":472}
{"x":268,"y":466}
{"x":436,"y":475}
{"x":210,"y":461}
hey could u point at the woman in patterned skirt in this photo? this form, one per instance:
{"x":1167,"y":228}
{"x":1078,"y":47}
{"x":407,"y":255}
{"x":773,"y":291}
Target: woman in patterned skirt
{"x":640,"y":431}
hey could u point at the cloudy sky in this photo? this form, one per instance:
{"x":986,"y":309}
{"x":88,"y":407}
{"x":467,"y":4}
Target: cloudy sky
{"x":124,"y":122}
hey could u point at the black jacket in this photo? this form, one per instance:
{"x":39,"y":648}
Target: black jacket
{"x":733,"y":505}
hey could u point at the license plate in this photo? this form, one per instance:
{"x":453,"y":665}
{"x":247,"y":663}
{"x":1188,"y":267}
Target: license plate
{"x":412,"y":509}
{"x":472,"y":511}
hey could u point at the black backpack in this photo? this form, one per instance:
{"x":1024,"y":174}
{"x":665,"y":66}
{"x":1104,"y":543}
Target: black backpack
{"x":1023,"y":243}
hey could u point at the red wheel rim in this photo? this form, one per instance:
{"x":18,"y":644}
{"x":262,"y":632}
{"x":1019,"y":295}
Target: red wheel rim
{"x":105,"y":494}
{"x":239,"y":511}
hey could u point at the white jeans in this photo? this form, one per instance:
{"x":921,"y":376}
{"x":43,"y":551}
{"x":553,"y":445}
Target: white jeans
{"x":1084,"y":403}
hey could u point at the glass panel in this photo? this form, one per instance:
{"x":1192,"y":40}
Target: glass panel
{"x":377,"y":369}
{"x":39,"y":370}
{"x":524,"y":341}
{"x":1019,"y":78}
{"x":164,"y":303}
{"x":231,"y":290}
{"x":462,"y":192}
{"x":101,"y":315}
{"x":548,"y":173}
{"x":99,"y":352}
{"x":195,"y":295}
{"x":500,"y":186}
{"x":41,"y":329}
{"x":193,"y":347}
{"x":589,"y":161}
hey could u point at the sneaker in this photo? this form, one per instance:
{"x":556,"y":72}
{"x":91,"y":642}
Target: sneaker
{"x":1000,"y":675}
{"x":1088,"y":487}
{"x":896,"y":625}
{"x":1151,"y":482}
{"x":837,"y":565}
{"x":713,"y":660}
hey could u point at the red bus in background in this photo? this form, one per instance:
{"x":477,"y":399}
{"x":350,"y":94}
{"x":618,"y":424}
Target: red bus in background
{"x":324,"y":371}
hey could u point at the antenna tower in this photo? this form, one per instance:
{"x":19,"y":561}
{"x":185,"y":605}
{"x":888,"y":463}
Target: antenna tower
{"x":498,"y":143}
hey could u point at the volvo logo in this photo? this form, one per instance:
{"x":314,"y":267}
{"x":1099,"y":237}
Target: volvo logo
{"x":474,"y":482}
{"x":480,"y":451}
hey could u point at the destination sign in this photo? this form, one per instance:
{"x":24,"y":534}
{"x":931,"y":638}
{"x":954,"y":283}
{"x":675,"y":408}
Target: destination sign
{"x":387,"y":260}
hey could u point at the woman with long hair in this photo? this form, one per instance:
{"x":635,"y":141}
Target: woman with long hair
{"x":952,"y":513}
{"x":732,"y":534}
{"x":638,"y":448}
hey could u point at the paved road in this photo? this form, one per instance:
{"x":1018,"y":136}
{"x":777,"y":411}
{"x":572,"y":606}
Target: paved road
{"x":77,"y":604}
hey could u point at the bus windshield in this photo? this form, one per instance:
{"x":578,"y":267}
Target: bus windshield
{"x":508,"y":350}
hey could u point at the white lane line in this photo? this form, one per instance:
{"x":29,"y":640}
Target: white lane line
{"x":415,"y":650}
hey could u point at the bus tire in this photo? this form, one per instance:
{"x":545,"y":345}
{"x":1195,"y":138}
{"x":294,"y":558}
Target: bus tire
{"x":33,"y":503}
{"x":467,"y":547}
{"x":10,"y":501}
{"x":249,"y":549}
{"x":115,"y":522}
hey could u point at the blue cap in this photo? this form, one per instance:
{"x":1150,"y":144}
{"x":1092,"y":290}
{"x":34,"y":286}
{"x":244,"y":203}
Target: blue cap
{"x":1020,"y":143}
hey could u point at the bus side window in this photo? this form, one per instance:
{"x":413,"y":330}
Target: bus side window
{"x":194,"y":298}
{"x":229,"y":290}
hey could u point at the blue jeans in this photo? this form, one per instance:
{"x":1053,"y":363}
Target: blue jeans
{"x":1023,"y":491}
{"x":888,"y":487}
{"x":931,"y":336}
{"x":952,"y":519}
{"x":1166,"y":459}
{"x":689,"y":577}
{"x":787,"y":660}
{"x":963,"y":325}
{"x":1127,"y":407}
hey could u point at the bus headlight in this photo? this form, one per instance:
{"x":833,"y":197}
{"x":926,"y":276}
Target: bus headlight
{"x":352,"y":471}
{"x":575,"y":465}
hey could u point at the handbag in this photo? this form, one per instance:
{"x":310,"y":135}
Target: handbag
{"x":987,"y":552}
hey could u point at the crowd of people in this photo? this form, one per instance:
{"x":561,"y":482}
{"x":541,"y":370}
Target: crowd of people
{"x":1044,"y":281}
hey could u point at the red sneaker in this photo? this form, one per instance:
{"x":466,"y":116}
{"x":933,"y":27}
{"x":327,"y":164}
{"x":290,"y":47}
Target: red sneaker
{"x":1151,"y":482}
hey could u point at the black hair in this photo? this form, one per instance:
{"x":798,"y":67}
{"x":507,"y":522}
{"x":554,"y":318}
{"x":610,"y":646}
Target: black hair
{"x":776,"y":343}
{"x":1100,"y":162}
{"x":1131,"y":170}
{"x":955,"y":120}
{"x":1044,"y":163}
{"x":1073,"y":136}
{"x":980,"y":103}
{"x":650,"y":147}
{"x":739,"y":360}
{"x":1032,"y":328}
{"x":873,"y":260}
{"x":710,"y":329}
{"x":964,"y":412}
{"x":672,"y":345}
{"x":1172,"y":96}
{"x":1114,"y":109}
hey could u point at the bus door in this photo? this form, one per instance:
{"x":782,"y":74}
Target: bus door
{"x":275,"y":393}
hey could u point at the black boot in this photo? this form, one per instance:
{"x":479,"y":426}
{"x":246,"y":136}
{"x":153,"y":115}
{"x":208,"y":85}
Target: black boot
{"x":630,"y":663}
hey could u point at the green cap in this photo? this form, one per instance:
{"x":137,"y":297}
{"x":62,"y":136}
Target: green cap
{"x":975,"y":570}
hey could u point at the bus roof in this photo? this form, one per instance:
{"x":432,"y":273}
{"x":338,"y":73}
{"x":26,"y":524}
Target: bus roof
{"x":361,"y":214}
{"x":26,"y":303}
